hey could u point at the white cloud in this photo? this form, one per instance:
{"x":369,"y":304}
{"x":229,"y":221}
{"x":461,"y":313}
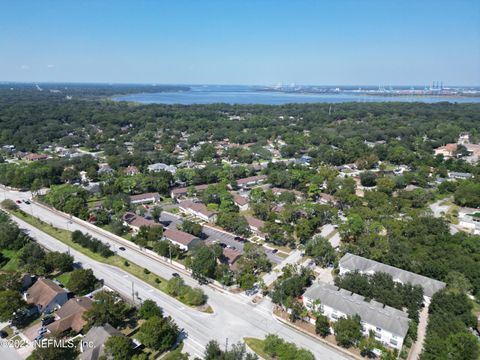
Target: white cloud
{"x":50,"y":66}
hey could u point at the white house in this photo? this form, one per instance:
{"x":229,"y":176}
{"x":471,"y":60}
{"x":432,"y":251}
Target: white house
{"x":145,"y":198}
{"x":471,"y":222}
{"x":388,"y":324}
{"x":241,"y":202}
{"x":350,"y":262}
{"x":161,"y":166}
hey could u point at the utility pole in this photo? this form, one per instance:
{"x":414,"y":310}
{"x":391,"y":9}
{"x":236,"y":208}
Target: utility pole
{"x":226,"y":344}
{"x":133,"y":293}
{"x":170,"y":251}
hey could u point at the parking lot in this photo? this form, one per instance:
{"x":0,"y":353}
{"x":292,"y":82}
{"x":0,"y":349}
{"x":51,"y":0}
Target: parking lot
{"x":171,"y":221}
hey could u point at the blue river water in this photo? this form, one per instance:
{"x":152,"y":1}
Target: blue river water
{"x":211,"y":94}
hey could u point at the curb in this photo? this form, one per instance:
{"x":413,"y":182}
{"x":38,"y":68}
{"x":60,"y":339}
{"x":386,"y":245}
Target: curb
{"x":336,"y":347}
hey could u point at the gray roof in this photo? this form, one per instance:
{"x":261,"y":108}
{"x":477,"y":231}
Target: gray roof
{"x":97,"y":335}
{"x":373,"y":312}
{"x":357,"y":263}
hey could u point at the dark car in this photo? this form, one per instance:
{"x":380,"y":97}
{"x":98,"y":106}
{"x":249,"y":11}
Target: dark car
{"x":177,"y":275}
{"x":274,"y":251}
{"x":238,"y":238}
{"x":121,"y":248}
{"x":27,"y":202}
{"x":223,"y":245}
{"x":47,"y":320}
{"x":18,"y":202}
{"x":3,"y":334}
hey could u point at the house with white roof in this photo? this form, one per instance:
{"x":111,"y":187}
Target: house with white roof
{"x":389,"y":325}
{"x":351,"y":263}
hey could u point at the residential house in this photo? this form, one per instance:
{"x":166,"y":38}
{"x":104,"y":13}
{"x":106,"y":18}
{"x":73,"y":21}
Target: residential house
{"x":447,"y":151}
{"x":350,"y":262}
{"x":389,"y":325}
{"x":459,"y":175}
{"x":198,"y":210}
{"x":146,"y":198}
{"x":35,"y":157}
{"x":298,"y":194}
{"x":104,"y":169}
{"x":182,"y":239}
{"x":304,"y":160}
{"x":161,"y":166}
{"x":134,"y":221}
{"x":45,"y":295}
{"x":92,"y":345}
{"x":255,"y":225}
{"x":327,"y":199}
{"x":183,"y":192}
{"x":231,"y":256}
{"x":471,"y":222}
{"x":70,"y":316}
{"x":132,"y":170}
{"x":240,"y":201}
{"x":251,"y":181}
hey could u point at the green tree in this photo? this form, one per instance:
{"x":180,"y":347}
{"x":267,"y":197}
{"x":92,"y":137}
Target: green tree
{"x":118,"y":347}
{"x":10,"y":301}
{"x":148,"y":309}
{"x":81,"y":281}
{"x":59,"y":261}
{"x":54,"y":353}
{"x":322,"y":325}
{"x":321,"y":250}
{"x":348,"y":331}
{"x":108,"y":307}
{"x":204,"y":263}
{"x":158,"y":333}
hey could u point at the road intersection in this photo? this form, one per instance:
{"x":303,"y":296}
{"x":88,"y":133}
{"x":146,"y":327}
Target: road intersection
{"x":234,"y":317}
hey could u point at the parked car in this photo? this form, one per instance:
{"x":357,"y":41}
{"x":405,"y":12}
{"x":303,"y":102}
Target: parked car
{"x":238,"y":238}
{"x":177,"y":275}
{"x":223,"y":245}
{"x":27,"y":202}
{"x":18,"y":202}
{"x":274,"y":251}
{"x":3,"y":334}
{"x":121,"y":248}
{"x":47,"y":320}
{"x":42,"y":330}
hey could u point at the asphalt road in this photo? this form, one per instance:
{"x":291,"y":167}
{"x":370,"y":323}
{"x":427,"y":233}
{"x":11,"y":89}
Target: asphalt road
{"x":234,"y":316}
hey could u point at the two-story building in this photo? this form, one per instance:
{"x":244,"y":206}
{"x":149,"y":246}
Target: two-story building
{"x":389,"y":325}
{"x":45,"y":295}
{"x":350,"y":262}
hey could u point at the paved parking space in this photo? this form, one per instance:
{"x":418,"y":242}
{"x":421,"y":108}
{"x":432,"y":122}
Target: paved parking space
{"x":171,"y":221}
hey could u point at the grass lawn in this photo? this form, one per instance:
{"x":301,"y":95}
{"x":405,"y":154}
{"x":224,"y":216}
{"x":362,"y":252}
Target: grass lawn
{"x":63,"y":278}
{"x":257,"y":346}
{"x":174,"y":354}
{"x":65,"y":237}
{"x":12,"y":263}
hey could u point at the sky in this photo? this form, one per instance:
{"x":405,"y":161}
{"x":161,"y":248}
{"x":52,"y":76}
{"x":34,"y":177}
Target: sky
{"x":336,"y":42}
